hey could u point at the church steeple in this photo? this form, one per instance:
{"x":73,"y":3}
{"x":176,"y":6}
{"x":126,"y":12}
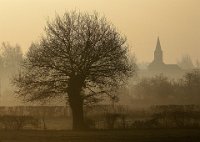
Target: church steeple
{"x":158,"y":53}
{"x":158,"y":46}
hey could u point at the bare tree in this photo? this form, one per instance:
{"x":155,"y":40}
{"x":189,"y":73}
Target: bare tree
{"x":186,"y":63}
{"x":81,"y":57}
{"x":11,"y":57}
{"x":197,"y":63}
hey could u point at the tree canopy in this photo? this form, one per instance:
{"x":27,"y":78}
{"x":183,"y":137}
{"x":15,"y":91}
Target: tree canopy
{"x":81,"y":57}
{"x":162,"y":90}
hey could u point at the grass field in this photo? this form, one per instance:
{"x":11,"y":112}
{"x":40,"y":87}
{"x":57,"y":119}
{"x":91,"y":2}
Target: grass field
{"x":147,"y":135}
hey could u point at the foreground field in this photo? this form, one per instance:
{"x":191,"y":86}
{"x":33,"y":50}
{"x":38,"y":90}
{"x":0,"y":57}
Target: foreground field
{"x":156,"y":135}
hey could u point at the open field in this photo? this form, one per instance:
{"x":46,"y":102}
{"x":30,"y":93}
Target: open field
{"x":145,"y":135}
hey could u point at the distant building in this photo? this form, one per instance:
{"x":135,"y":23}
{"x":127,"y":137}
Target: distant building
{"x":157,"y":66}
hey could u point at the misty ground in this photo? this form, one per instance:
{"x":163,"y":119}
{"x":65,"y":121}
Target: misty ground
{"x":140,"y":135}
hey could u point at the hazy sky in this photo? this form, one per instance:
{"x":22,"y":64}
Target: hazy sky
{"x":176,"y":22}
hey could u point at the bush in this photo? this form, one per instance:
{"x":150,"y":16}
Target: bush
{"x":18,"y":122}
{"x":177,"y":116}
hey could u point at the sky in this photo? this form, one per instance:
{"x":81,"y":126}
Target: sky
{"x":176,"y":22}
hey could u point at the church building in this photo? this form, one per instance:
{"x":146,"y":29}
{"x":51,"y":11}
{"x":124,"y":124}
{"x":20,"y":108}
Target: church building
{"x":157,"y":66}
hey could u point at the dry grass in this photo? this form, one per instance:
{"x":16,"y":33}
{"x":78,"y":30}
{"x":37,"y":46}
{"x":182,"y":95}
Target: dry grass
{"x":147,"y":135}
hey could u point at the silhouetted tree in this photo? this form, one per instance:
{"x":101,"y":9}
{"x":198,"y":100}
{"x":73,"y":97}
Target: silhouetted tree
{"x":81,"y":56}
{"x":161,"y":90}
{"x":191,"y":84}
{"x":157,"y":88}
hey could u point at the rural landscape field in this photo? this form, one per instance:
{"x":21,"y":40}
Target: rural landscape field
{"x":141,"y":135}
{"x":99,"y":71}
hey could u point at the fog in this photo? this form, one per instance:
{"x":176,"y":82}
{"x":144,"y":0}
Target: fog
{"x":177,"y":23}
{"x":137,"y":67}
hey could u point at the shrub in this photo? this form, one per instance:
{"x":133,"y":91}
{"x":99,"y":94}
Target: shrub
{"x":18,"y":122}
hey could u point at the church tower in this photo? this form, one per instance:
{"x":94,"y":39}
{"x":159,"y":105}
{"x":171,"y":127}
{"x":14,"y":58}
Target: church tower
{"x":158,"y":53}
{"x":157,"y":66}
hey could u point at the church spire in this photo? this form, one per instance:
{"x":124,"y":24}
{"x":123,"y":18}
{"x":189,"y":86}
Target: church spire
{"x":158,"y":46}
{"x":158,"y":54}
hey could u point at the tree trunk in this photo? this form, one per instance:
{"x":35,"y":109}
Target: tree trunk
{"x":77,"y":114}
{"x":76,"y":102}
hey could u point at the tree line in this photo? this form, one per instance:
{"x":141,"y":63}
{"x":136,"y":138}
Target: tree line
{"x":162,"y":90}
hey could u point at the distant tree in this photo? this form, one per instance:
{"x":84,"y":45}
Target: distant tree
{"x":157,"y":87}
{"x":81,"y":56}
{"x":191,"y":83}
{"x":186,"y":63}
{"x":197,"y":64}
{"x":1,"y":65}
{"x":11,"y":58}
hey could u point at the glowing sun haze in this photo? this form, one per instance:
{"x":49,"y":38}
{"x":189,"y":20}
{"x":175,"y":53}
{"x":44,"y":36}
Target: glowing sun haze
{"x":176,"y":22}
